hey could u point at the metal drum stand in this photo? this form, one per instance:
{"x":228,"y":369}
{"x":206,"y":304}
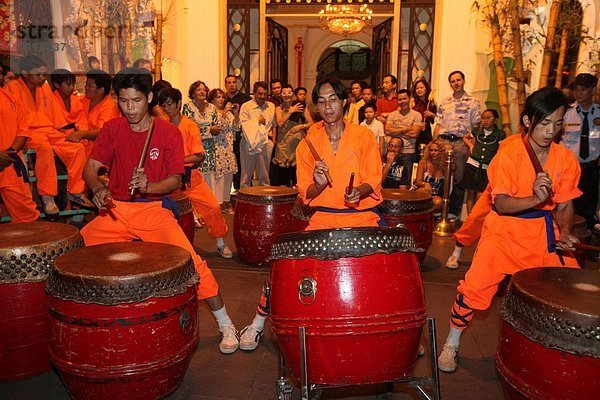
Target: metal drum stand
{"x":284,"y":387}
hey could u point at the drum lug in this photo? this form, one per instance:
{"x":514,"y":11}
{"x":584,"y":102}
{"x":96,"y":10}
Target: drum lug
{"x":185,"y":322}
{"x":307,"y":290}
{"x":284,"y":389}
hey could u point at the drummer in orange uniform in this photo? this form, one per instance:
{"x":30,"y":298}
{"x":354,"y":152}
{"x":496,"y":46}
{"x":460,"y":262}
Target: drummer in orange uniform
{"x":470,"y":230}
{"x":14,"y":187}
{"x":344,"y":149}
{"x":34,"y":96}
{"x":97,"y":107}
{"x":147,"y":214}
{"x":519,"y":233}
{"x":194,"y":186}
{"x":69,"y":110}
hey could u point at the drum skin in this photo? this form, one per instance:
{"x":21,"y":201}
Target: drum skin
{"x":27,"y":253}
{"x":549,"y":346}
{"x":413,"y":209}
{"x":137,"y":345}
{"x":364,"y":321}
{"x":261,"y":213}
{"x":186,"y":215}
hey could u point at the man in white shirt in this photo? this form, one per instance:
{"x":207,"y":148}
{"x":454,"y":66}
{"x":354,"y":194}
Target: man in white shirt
{"x":258,"y":136}
{"x":406,"y":124}
{"x":457,"y":115}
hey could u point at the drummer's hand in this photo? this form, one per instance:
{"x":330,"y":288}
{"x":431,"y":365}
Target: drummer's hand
{"x":353,"y":197}
{"x":567,"y":242}
{"x":319,"y":174}
{"x":102,"y":198}
{"x":540,"y":186}
{"x":139,"y":181}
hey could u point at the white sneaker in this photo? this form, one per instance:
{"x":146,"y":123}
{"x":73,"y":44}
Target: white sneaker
{"x":447,"y":361}
{"x":224,"y":252}
{"x":230,"y":342}
{"x":50,"y":207}
{"x":452,"y":262}
{"x":249,"y":338}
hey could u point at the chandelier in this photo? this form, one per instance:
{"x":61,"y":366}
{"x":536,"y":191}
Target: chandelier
{"x":345,"y":20}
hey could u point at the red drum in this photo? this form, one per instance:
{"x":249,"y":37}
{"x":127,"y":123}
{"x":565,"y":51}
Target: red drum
{"x":186,"y":214}
{"x":359,"y":295}
{"x":301,"y":214}
{"x":413,"y":209}
{"x":27,"y":253}
{"x":123,"y":322}
{"x":261,"y":213}
{"x":549,"y":347}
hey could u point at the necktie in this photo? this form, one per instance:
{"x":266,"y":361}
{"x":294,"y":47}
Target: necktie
{"x":584,"y":146}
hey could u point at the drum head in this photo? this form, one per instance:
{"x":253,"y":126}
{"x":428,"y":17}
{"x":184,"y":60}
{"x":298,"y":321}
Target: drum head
{"x":28,"y":251}
{"x":558,"y":307}
{"x":333,"y":244}
{"x":33,"y":234}
{"x":266,"y":195}
{"x":268,"y":191}
{"x":405,"y":195}
{"x":399,"y":202}
{"x":116,"y":273}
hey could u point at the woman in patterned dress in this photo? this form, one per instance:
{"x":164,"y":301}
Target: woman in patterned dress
{"x":205,"y":115}
{"x":225,"y":163}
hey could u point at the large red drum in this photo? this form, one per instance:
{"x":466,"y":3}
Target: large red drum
{"x":301,"y":214}
{"x":359,"y":295}
{"x":27,"y":254}
{"x":261,"y":213}
{"x":186,"y":214}
{"x":549,"y":347}
{"x":413,"y":209}
{"x":123,"y":320}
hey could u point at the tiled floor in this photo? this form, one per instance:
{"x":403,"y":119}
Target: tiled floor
{"x":252,"y":375}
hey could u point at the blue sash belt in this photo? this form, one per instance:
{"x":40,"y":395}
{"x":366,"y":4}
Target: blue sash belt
{"x":19,"y":166}
{"x":167,"y":203}
{"x":375,"y":210}
{"x":536,"y":213}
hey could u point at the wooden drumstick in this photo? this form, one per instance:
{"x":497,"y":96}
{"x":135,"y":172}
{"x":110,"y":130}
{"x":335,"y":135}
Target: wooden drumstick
{"x":318,"y":158}
{"x":350,"y":185}
{"x":144,"y":150}
{"x":534,"y":160}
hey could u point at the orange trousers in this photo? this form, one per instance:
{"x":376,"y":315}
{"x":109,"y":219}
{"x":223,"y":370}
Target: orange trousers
{"x":19,"y":203}
{"x":46,"y":142}
{"x":149,"y":222}
{"x":495,"y":258}
{"x":470,"y":230}
{"x":205,"y":204}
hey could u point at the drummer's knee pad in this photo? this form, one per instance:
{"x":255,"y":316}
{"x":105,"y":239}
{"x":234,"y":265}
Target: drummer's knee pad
{"x":461,"y":313}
